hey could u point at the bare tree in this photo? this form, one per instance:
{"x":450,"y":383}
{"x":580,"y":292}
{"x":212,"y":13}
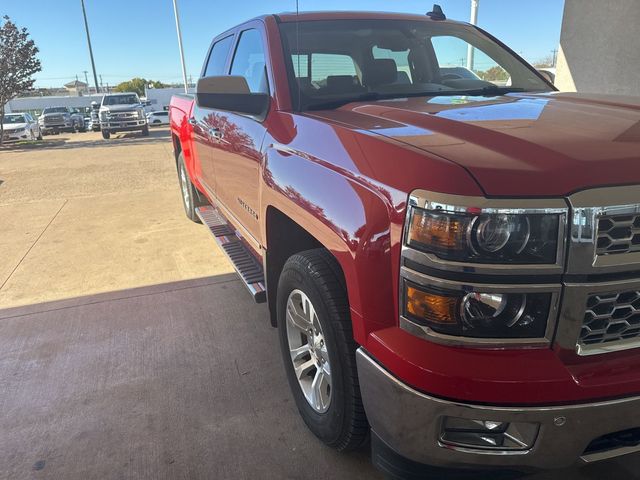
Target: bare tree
{"x":18,"y":64}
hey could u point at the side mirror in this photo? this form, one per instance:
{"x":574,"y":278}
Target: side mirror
{"x":231,"y":93}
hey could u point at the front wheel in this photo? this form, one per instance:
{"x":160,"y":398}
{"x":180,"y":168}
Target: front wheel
{"x":145,"y":131}
{"x":190,"y":197}
{"x":318,"y":349}
{"x":106,"y":134}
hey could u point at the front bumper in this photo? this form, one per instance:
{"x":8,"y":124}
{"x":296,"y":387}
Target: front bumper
{"x":123,"y":125}
{"x":15,"y":137}
{"x":410,"y":423}
{"x":57,"y":127}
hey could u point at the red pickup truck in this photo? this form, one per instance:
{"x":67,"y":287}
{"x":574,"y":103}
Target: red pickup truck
{"x":450,"y":251}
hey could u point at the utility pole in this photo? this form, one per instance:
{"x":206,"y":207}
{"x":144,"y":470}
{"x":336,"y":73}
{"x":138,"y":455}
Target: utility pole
{"x":86,"y":27}
{"x":184,"y":69}
{"x":554,"y":56}
{"x":473,"y":21}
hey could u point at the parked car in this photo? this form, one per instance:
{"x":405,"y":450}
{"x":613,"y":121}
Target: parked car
{"x":55,"y":120}
{"x":122,"y":112}
{"x":95,"y":116}
{"x":548,"y":73}
{"x":457,"y":73}
{"x":453,"y":266}
{"x":20,"y":126}
{"x":158,"y":118}
{"x":77,"y":119}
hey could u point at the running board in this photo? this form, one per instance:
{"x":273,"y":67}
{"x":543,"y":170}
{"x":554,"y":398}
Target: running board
{"x":236,"y":251}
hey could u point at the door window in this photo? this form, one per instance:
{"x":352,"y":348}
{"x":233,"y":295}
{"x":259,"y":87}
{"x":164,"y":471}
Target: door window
{"x":249,"y":61}
{"x":218,"y":57}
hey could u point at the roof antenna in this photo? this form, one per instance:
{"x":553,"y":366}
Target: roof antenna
{"x":437,"y":13}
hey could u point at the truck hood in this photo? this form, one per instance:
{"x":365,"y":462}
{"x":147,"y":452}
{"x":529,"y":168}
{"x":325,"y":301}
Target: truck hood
{"x":10,"y":127}
{"x":516,"y":144}
{"x":120,"y":108}
{"x":54,"y":114}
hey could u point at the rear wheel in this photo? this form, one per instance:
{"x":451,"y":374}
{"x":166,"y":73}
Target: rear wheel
{"x":106,"y":134}
{"x":318,"y":349}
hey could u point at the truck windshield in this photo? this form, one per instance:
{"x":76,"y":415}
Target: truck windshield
{"x":333,"y":62}
{"x":56,"y":110}
{"x":121,"y":100}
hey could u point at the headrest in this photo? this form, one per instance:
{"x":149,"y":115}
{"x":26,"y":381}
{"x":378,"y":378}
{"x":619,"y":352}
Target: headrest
{"x":381,"y":71}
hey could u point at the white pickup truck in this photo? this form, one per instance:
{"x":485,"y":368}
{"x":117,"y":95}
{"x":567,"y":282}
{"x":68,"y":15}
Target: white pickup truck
{"x":122,"y":112}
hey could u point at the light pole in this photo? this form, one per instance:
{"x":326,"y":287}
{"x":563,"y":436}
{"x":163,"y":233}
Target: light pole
{"x":473,"y":21}
{"x":184,"y":69}
{"x":93,"y":64}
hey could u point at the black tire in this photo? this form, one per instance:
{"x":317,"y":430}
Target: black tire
{"x":316,"y":273}
{"x":106,"y":134}
{"x":145,"y":131}
{"x":187,"y":189}
{"x":39,"y":137}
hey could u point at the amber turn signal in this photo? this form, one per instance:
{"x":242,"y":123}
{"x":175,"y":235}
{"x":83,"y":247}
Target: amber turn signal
{"x":440,"y":232}
{"x":432,"y":307}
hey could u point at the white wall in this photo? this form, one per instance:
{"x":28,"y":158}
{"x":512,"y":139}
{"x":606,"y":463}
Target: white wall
{"x":22,"y":104}
{"x":160,"y":97}
{"x":600,"y":47}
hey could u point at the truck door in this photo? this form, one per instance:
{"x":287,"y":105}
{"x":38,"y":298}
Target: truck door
{"x":237,"y":153}
{"x":203,"y":120}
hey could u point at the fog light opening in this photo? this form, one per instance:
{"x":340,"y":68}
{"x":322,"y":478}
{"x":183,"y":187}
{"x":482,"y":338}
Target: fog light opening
{"x":488,"y":434}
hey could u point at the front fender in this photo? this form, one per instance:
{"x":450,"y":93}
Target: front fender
{"x":350,"y":218}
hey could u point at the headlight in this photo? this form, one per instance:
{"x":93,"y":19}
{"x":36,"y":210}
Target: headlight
{"x":478,"y":314}
{"x":492,"y":238}
{"x":103,"y":115}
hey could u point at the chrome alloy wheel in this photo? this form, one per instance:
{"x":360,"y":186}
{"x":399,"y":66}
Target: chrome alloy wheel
{"x":308,"y":351}
{"x":184,"y":186}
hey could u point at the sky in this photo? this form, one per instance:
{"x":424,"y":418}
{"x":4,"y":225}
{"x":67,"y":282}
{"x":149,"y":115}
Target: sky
{"x":137,"y":38}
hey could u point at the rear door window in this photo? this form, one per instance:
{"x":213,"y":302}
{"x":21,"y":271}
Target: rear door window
{"x":218,"y":57}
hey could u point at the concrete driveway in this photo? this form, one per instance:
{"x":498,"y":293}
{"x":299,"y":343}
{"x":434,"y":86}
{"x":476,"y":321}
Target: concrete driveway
{"x":129,"y":351}
{"x":80,"y":215}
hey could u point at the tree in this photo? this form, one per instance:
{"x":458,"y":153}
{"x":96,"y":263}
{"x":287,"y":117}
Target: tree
{"x":18,"y":64}
{"x":137,"y":85}
{"x":495,"y":73}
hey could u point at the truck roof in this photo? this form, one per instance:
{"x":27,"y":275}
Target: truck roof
{"x":351,"y":15}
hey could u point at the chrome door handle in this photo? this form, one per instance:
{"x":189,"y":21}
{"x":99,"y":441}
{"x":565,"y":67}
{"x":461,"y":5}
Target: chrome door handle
{"x":192,"y":121}
{"x":216,"y":133}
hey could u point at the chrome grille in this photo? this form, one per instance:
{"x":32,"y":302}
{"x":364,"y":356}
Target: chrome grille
{"x":618,"y":234}
{"x":123,"y":115}
{"x":53,"y":119}
{"x":611,"y":317}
